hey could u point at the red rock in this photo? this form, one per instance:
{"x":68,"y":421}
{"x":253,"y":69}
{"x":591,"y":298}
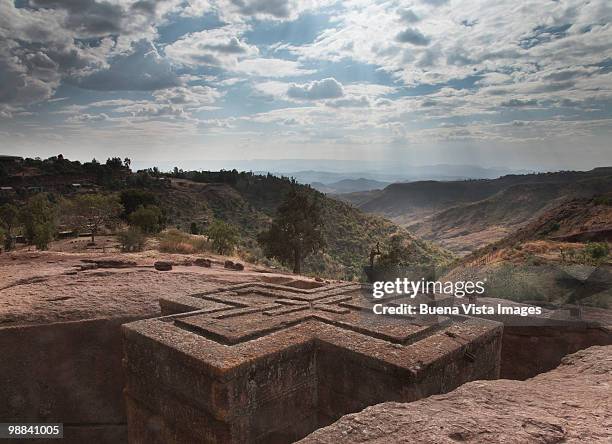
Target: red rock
{"x":271,"y":363}
{"x":571,"y":404}
{"x":163,"y":266}
{"x":201,"y":262}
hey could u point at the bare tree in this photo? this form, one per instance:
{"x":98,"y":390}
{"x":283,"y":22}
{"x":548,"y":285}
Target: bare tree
{"x":93,"y":211}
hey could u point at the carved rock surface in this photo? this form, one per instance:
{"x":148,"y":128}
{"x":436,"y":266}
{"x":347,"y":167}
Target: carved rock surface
{"x":570,"y":404}
{"x":268,"y":363}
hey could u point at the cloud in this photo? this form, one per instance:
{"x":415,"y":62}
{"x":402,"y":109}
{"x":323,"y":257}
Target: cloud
{"x":328,"y":88}
{"x":408,"y":16}
{"x":353,"y":102}
{"x":273,"y":8}
{"x":435,"y":2}
{"x":143,"y":69}
{"x":93,"y":18}
{"x":188,"y":96}
{"x":220,"y":47}
{"x":26,"y":78}
{"x":87,"y":17}
{"x":518,"y":103}
{"x":80,"y":118}
{"x":280,"y":10}
{"x":265,"y":67}
{"x":413,"y":36}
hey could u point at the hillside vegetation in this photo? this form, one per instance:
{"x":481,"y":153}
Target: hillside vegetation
{"x":559,"y":257}
{"x":194,"y":200}
{"x":249,"y":202}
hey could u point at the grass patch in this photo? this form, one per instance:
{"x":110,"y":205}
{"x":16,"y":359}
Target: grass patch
{"x":176,"y":241}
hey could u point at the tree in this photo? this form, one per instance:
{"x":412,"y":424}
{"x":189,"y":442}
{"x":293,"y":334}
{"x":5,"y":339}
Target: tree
{"x":93,"y":211}
{"x":38,"y":217}
{"x":224,"y":236}
{"x":134,"y":198}
{"x":148,"y":219}
{"x":9,"y":218}
{"x":193,"y":228}
{"x":296,"y":230}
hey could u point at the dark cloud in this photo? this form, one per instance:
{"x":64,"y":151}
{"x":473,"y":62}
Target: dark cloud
{"x":553,"y":87}
{"x":145,"y":6}
{"x":518,"y":103}
{"x":412,"y":36}
{"x":233,"y":46}
{"x":408,"y":16}
{"x":569,"y":74}
{"x":544,"y":34}
{"x":275,"y":8}
{"x":87,"y":17}
{"x":143,"y":69}
{"x":91,"y":18}
{"x":328,"y":88}
{"x":20,"y":84}
{"x":435,"y":2}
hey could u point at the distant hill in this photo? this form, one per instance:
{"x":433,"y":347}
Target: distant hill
{"x":349,"y":186}
{"x":465,"y":215}
{"x":330,"y":171}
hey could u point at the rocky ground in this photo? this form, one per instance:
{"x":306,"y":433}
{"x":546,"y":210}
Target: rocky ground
{"x":571,"y":404}
{"x":63,"y":284}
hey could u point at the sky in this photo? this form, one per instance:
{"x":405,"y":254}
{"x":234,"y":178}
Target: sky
{"x":505,"y":83}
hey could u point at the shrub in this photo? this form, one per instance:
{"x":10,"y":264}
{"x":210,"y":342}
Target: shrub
{"x":134,"y":198}
{"x":43,"y":234}
{"x":38,"y":217}
{"x":224,"y":237}
{"x":596,"y":250}
{"x":132,"y":239}
{"x":148,"y":219}
{"x":176,"y":241}
{"x":9,"y":219}
{"x":193,"y":228}
{"x":603,"y":200}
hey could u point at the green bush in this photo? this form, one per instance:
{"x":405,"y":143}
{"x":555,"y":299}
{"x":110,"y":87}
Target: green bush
{"x":148,"y":219}
{"x":38,"y":217}
{"x":132,"y":239}
{"x":43,"y":235}
{"x":193,"y":228}
{"x":9,"y":219}
{"x":603,"y":200}
{"x":597,"y":250}
{"x":224,"y":237}
{"x":134,"y":198}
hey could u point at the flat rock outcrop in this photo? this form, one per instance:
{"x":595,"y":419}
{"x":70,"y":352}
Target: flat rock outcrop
{"x":570,"y":404}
